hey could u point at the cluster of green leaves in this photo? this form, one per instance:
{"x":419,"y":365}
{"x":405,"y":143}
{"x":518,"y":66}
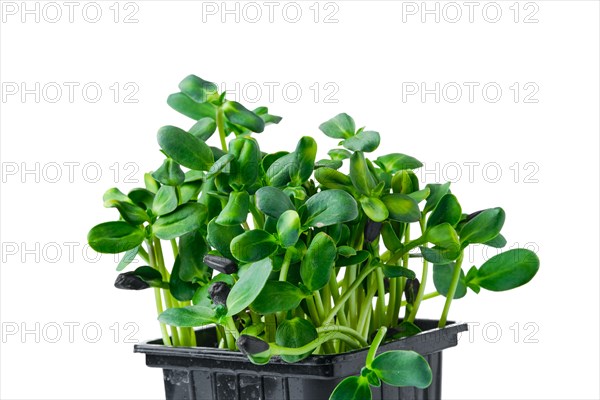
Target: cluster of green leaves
{"x":277,"y":248}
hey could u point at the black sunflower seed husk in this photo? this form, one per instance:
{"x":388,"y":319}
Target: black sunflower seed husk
{"x":218,"y":292}
{"x":250,"y":345}
{"x":221,"y":264}
{"x":130,"y":281}
{"x":372,"y":230}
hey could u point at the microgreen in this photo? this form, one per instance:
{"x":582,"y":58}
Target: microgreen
{"x":290,"y":255}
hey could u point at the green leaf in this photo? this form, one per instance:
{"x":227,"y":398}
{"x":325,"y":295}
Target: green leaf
{"x":360,"y":257}
{"x":436,"y":192}
{"x":402,"y":208}
{"x":507,"y":270}
{"x":443,"y":235}
{"x":165,"y":200}
{"x":374,"y":208}
{"x":151,"y":184}
{"x":253,"y":245}
{"x":269,"y":159}
{"x":406,"y":329}
{"x":330,"y":207}
{"x":471,"y":275}
{"x":190,"y":191}
{"x":352,"y":388}
{"x":332,"y":179}
{"x":278,"y":173}
{"x":497,"y":242}
{"x":129,"y":211}
{"x":272,"y":201}
{"x":395,"y":162}
{"x":194,"y":176}
{"x":484,"y":226}
{"x":318,"y":262}
{"x":339,"y":154}
{"x":447,"y":210}
{"x":405,"y":182}
{"x":305,"y":155}
{"x":288,"y":228}
{"x":185,"y":148}
{"x":252,"y":280}
{"x":294,"y":333}
{"x":240,"y":115}
{"x":192,"y":249}
{"x":186,"y":218}
{"x":203,"y":129}
{"x":169,"y":173}
{"x":419,"y":195}
{"x":361,"y":177}
{"x":183,"y":104}
{"x":190,"y":316}
{"x":113,"y":195}
{"x":180,"y":289}
{"x":269,"y":119}
{"x":438,"y":255}
{"x":442,"y":276}
{"x":141,"y":197}
{"x":220,"y":237}
{"x":236,"y":210}
{"x":390,"y":238}
{"x":363,"y":141}
{"x":402,"y":368}
{"x":198,"y":89}
{"x":150,"y":275}
{"x":219,"y":165}
{"x":244,"y":168}
{"x":333,"y":164}
{"x":277,"y":296}
{"x":396,"y":271}
{"x":115,"y":237}
{"x":346,"y":251}
{"x":128,"y":258}
{"x":339,"y":127}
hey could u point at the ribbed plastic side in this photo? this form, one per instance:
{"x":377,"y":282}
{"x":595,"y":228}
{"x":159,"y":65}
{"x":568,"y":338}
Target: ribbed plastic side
{"x":206,"y":373}
{"x":212,"y":385}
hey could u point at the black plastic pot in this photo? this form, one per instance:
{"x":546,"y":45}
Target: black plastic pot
{"x":209,"y":373}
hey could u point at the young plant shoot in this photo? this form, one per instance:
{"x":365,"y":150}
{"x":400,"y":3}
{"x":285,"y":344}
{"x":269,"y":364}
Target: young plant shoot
{"x":292,"y":256}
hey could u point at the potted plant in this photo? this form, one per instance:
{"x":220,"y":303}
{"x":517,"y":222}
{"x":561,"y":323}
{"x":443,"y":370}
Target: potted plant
{"x":294,"y":271}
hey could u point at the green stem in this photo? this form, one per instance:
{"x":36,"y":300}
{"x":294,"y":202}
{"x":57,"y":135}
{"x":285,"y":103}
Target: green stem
{"x":392,"y":302}
{"x":365,"y":330}
{"x":380,"y":298}
{"x":307,"y":348}
{"x":170,"y":302}
{"x":451,"y":290}
{"x":335,"y":294}
{"x":375,"y":345}
{"x":366,"y":305}
{"x":357,"y":282}
{"x":174,"y":248}
{"x":312,"y":310}
{"x":319,"y":304}
{"x":417,"y":303}
{"x":159,"y":310}
{"x":395,"y":256}
{"x":270,"y":326}
{"x":221,"y":128}
{"x":157,"y":297}
{"x":344,"y":329}
{"x":231,"y":328}
{"x":286,"y":265}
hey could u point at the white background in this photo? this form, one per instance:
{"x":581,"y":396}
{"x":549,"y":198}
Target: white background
{"x":539,"y":342}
